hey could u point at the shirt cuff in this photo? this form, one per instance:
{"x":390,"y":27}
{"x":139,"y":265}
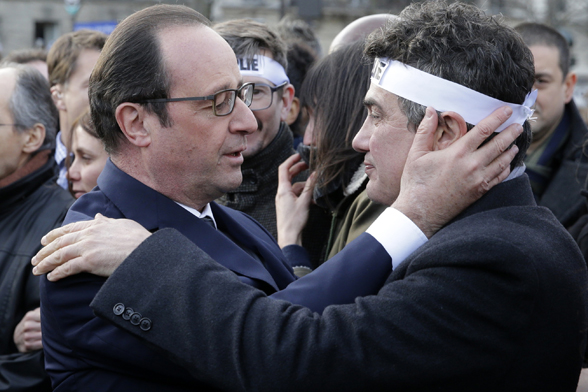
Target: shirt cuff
{"x":397,"y":234}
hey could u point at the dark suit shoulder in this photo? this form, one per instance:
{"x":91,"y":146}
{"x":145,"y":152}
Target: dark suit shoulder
{"x":87,"y":206}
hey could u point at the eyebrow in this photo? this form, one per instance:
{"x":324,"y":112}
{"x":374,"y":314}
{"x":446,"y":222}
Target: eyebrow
{"x":543,"y":74}
{"x":368,"y":103}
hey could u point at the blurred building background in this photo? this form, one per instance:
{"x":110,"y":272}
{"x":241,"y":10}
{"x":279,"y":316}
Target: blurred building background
{"x":37,"y":23}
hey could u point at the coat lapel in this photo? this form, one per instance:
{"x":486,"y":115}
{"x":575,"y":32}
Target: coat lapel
{"x":154,"y":211}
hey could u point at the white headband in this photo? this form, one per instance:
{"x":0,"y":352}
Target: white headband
{"x":264,"y":67}
{"x":444,"y":95}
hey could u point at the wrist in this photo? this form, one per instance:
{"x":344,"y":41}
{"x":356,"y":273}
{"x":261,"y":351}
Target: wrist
{"x":285,"y":240}
{"x":418,"y":216}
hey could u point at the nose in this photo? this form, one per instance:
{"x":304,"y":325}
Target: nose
{"x":73,"y":174}
{"x":243,"y":120}
{"x":308,"y":139}
{"x":361,"y":141}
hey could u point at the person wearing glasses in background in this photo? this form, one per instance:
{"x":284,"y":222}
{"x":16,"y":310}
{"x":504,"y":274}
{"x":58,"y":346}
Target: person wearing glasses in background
{"x":176,"y":144}
{"x":31,"y":203}
{"x":261,"y":56}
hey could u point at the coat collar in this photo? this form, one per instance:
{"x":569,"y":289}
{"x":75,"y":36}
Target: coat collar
{"x":155,"y":211}
{"x":515,"y":192}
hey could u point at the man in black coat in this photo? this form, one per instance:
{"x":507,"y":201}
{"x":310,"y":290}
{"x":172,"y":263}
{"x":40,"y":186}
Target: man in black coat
{"x":556,"y":162}
{"x":31,"y":204}
{"x":494,"y":301}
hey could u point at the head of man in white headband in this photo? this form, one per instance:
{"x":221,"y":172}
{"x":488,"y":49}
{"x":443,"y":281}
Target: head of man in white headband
{"x":451,"y":57}
{"x":261,"y":56}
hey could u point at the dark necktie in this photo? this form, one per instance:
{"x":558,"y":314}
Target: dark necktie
{"x":208,"y":220}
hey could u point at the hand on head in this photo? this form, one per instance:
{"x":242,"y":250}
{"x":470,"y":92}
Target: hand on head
{"x":438,"y":185}
{"x":97,"y":246}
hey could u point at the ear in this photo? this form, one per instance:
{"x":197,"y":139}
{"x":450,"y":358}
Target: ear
{"x":570,"y":83}
{"x":287,"y":98}
{"x":57,"y":95}
{"x":294,"y":110}
{"x":34,"y":138}
{"x":451,"y":127}
{"x":131,"y":120}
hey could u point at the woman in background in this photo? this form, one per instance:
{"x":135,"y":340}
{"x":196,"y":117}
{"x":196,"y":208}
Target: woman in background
{"x":332,"y":94}
{"x":89,"y":157}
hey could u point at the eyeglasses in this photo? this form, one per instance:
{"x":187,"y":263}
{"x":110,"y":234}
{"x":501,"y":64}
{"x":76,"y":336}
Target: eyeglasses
{"x":11,"y":125}
{"x":223,"y":101}
{"x":263,"y":95}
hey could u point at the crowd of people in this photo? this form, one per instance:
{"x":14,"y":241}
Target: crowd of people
{"x":195,"y":206}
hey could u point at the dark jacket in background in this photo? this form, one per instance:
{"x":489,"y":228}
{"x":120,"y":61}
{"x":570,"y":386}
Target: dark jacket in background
{"x":29,"y":208}
{"x":256,"y":196}
{"x":562,"y":195}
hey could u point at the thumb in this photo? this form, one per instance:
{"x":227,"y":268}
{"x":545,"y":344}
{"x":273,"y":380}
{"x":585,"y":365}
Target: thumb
{"x":424,"y":137}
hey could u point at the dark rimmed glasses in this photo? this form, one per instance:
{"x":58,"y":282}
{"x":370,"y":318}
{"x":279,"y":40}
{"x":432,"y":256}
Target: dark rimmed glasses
{"x":263,"y":95}
{"x":223,"y":102}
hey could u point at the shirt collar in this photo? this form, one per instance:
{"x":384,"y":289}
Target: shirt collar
{"x":60,"y":150}
{"x":207,"y":211}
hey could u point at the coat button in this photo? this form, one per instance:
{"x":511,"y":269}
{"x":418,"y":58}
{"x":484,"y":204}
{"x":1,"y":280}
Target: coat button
{"x":127,"y":313}
{"x":118,"y":309}
{"x":135,"y":318}
{"x":145,"y":324}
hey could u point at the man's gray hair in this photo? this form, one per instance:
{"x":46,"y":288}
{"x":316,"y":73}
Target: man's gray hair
{"x":31,"y":103}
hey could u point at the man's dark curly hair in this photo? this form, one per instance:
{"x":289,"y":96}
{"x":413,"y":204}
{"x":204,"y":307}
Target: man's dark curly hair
{"x":458,"y":42}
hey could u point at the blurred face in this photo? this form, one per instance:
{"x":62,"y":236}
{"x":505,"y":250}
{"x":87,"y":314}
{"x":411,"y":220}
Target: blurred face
{"x":12,"y":142}
{"x":75,"y":91}
{"x":199,"y":157}
{"x":268,"y":120}
{"x":385,"y":140}
{"x":554,"y":91}
{"x":89,"y":160}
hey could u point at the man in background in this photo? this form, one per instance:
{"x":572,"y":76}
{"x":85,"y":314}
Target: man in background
{"x":556,"y":163}
{"x":36,"y":58}
{"x":31,"y":204}
{"x":261,"y":56}
{"x":70,"y":62}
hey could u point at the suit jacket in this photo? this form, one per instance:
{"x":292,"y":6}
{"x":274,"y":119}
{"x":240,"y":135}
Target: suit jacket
{"x":495,"y":301}
{"x":86,"y":353}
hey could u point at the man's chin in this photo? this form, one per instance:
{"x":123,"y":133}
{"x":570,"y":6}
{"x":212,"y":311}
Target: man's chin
{"x":377,"y":196}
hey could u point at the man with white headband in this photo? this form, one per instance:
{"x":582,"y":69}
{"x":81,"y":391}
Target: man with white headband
{"x":493,"y":301}
{"x":261,"y":57}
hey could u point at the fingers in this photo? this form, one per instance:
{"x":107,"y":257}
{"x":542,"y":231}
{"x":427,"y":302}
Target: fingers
{"x":499,"y":144}
{"x":57,"y":252}
{"x":34,"y":315}
{"x":306,"y":195}
{"x":60,"y":231}
{"x":425,"y":133}
{"x":284,"y":168}
{"x":297,"y":169}
{"x":476,"y":136}
{"x":72,"y":267}
{"x":499,"y":169}
{"x":298,"y":187}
